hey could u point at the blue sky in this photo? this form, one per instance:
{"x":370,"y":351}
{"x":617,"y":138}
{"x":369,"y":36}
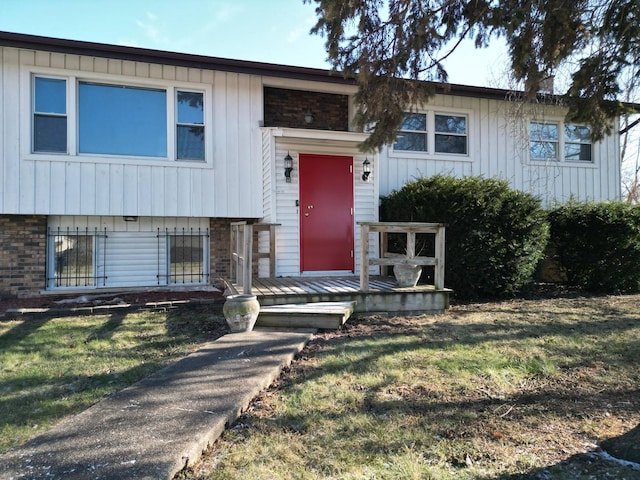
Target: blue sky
{"x":273,"y":31}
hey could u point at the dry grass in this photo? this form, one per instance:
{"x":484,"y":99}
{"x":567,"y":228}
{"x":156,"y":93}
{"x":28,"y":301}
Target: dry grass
{"x":515,"y":389}
{"x":53,"y":367}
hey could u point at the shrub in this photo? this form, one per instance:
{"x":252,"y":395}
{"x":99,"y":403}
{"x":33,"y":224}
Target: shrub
{"x":495,"y":236}
{"x":598,"y":245}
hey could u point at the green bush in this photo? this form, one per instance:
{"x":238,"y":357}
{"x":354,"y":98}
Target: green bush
{"x":598,"y":245}
{"x":495,"y":236}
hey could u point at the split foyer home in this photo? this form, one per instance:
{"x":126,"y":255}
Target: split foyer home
{"x":124,"y":167}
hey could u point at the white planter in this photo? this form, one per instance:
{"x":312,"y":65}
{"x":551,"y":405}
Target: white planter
{"x":241,"y":312}
{"x":407,"y":275}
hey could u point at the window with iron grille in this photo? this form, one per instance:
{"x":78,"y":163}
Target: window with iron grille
{"x":187,"y":257}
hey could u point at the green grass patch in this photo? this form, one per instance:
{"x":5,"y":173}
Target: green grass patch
{"x":499,"y":390}
{"x":52,"y":367}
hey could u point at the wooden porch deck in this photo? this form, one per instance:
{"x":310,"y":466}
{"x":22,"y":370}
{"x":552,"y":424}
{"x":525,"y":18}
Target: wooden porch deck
{"x":383,"y":295}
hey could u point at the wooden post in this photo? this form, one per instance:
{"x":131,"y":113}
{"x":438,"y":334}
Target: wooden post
{"x":272,"y":250}
{"x":364,"y":258}
{"x":438,"y":277}
{"x":384,"y":245}
{"x":246,"y":254}
{"x":411,"y":244}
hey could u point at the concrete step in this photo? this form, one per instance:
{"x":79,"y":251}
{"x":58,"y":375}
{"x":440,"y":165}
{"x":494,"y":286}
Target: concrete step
{"x":324,"y":315}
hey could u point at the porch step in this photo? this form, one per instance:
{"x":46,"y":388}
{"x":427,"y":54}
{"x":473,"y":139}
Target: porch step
{"x":325,"y":315}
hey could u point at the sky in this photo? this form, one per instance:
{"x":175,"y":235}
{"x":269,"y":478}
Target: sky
{"x":272,"y":31}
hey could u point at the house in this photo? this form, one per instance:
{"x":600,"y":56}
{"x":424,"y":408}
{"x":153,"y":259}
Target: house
{"x":125,"y":167}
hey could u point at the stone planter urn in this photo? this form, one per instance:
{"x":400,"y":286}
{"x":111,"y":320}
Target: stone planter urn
{"x":241,"y":312}
{"x":407,"y":275}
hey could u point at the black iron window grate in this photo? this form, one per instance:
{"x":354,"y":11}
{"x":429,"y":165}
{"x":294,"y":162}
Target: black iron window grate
{"x":186,"y":259}
{"x":74,"y":261}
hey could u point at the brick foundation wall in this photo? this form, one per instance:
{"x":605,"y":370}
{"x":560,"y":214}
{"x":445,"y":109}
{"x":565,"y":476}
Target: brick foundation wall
{"x":219,"y":248}
{"x":23,"y":248}
{"x":287,"y":108}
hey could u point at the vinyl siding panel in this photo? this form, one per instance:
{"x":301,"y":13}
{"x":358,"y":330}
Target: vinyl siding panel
{"x":228,"y":185}
{"x":498,"y":148}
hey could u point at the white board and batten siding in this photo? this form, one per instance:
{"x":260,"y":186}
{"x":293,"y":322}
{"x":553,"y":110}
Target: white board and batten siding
{"x":227,"y":184}
{"x":498,"y":148}
{"x":282,"y":208}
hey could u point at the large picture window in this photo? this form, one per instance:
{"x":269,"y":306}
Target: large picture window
{"x":120,"y":120}
{"x":49,"y":115}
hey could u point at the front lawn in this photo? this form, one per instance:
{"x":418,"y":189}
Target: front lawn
{"x":514,"y":389}
{"x":52,"y":367}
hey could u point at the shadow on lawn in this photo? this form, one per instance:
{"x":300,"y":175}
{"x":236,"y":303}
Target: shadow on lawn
{"x":44,"y":395}
{"x":567,"y":396}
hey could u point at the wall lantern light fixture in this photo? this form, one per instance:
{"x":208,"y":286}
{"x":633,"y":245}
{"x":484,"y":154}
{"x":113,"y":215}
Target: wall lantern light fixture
{"x":366,"y":170}
{"x":288,"y":167}
{"x":308,"y":117}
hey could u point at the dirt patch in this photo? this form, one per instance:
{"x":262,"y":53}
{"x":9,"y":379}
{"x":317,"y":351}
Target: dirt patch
{"x":138,"y":297}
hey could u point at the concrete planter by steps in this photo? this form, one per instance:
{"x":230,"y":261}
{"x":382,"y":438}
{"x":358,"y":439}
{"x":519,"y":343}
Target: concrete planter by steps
{"x":241,"y":312}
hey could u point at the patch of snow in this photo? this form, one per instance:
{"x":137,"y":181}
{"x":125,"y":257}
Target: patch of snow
{"x":606,"y":456}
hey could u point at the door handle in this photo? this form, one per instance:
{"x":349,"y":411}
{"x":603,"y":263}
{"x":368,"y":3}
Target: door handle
{"x":309,"y":207}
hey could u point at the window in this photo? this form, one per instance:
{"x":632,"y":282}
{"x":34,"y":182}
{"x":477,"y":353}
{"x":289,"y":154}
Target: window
{"x":186,"y":258}
{"x":49,"y":115}
{"x":433,"y":133}
{"x":412,"y":136}
{"x":149,"y":120}
{"x":546,"y":142}
{"x":120,"y":120}
{"x":543,"y":141}
{"x":73,"y":259}
{"x":577,"y":143}
{"x":451,"y":134}
{"x":190,"y":126}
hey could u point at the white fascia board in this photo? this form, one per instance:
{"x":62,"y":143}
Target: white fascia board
{"x":300,"y":133}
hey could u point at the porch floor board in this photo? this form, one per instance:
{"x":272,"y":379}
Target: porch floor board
{"x":384,"y":296}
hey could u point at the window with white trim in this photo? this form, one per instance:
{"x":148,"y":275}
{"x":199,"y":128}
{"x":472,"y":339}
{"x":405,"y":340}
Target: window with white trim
{"x":190,"y":125}
{"x":49,"y":115}
{"x":412,"y":136}
{"x":114,"y":118}
{"x":450,"y":134}
{"x":577,"y":143}
{"x":544,"y":140}
{"x":433,"y":132}
{"x":548,"y":139}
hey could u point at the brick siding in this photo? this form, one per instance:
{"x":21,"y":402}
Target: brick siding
{"x":23,"y":248}
{"x":287,"y":108}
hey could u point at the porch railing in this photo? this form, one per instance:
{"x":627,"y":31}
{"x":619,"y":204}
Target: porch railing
{"x":243,"y":244}
{"x":386,"y":259}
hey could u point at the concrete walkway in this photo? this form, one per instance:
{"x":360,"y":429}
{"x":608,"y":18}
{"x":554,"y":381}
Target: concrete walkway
{"x":154,"y":428}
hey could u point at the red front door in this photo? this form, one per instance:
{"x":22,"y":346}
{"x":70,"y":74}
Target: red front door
{"x":326,"y":213}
